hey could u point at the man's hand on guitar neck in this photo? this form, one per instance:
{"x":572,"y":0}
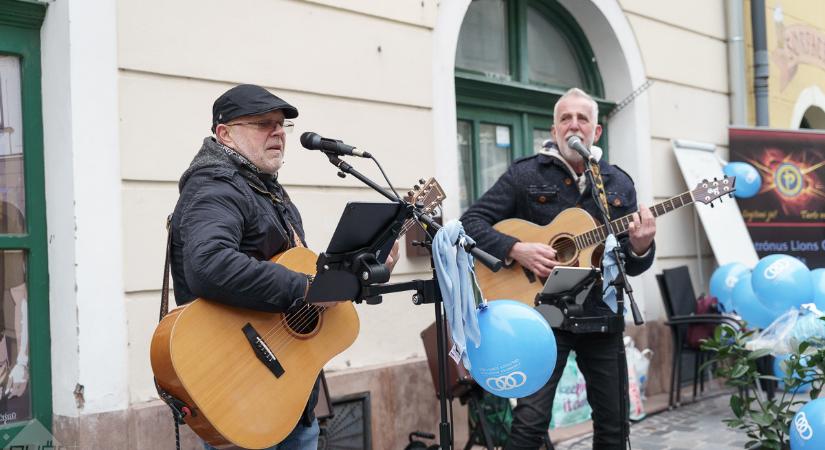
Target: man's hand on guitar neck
{"x":536,"y":257}
{"x":642,"y":230}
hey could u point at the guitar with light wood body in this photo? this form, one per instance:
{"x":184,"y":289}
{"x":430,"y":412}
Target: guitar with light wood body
{"x":578,"y":240}
{"x":245,"y":376}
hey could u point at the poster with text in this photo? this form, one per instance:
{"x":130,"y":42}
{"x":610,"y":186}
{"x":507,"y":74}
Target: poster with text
{"x":787,"y":215}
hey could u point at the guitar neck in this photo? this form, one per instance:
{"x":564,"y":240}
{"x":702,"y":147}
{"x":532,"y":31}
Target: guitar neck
{"x":620,"y":226}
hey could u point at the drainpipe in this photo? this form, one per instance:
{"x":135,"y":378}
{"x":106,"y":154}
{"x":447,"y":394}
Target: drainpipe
{"x":760,"y":62}
{"x":736,"y":61}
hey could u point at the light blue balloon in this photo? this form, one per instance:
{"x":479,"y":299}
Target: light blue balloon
{"x":748,"y":180}
{"x":818,"y":284}
{"x":782,"y":282}
{"x":781,"y":373}
{"x":723,"y":280}
{"x":808,"y":426}
{"x":517,"y":354}
{"x":749,"y":307}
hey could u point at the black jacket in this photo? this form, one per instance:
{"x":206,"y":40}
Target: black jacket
{"x":537,"y":188}
{"x":228,"y":222}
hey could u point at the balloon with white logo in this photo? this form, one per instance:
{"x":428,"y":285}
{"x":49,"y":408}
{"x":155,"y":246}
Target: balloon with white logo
{"x":517,"y":354}
{"x":782,"y":282}
{"x":723,"y":280}
{"x":818,"y":284}
{"x":748,"y":180}
{"x":748,"y":306}
{"x":808,"y":426}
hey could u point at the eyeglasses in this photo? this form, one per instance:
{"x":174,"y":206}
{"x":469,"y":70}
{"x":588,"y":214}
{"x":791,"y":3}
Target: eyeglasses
{"x":268,"y":125}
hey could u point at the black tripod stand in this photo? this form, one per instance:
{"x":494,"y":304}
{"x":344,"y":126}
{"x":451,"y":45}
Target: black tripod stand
{"x":621,"y":284}
{"x":363,"y":265}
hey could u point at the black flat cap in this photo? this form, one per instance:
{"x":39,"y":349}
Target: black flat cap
{"x":248,"y":100}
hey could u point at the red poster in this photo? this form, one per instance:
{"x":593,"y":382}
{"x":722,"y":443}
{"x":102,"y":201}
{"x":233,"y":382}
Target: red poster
{"x":787,"y":215}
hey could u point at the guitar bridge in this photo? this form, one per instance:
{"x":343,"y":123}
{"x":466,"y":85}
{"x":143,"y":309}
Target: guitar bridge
{"x":262,"y":350}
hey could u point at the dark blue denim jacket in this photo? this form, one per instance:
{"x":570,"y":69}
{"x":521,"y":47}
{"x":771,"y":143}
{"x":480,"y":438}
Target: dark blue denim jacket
{"x":537,"y":188}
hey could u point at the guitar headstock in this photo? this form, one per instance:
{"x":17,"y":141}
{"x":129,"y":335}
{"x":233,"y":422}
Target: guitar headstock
{"x":427,"y":195}
{"x":708,"y":191}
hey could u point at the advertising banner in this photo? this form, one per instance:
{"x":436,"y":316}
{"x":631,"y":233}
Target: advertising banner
{"x":787,"y":214}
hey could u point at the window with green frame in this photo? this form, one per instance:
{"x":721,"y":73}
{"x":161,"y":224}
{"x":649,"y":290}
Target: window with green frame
{"x":25,"y":367}
{"x":515,"y":58}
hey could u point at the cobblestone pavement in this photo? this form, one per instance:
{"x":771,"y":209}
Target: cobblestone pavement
{"x":694,"y":426}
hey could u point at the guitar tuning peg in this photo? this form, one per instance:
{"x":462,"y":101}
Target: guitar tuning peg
{"x":410,"y":193}
{"x":421,"y":181}
{"x":416,"y":187}
{"x":711,"y":205}
{"x":730,"y":195}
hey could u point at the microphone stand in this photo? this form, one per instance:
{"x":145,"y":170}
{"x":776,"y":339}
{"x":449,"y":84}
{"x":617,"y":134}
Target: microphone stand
{"x":426,"y":291}
{"x":620,"y":283}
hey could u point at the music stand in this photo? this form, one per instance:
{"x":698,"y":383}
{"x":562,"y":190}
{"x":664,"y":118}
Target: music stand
{"x":357,"y":251}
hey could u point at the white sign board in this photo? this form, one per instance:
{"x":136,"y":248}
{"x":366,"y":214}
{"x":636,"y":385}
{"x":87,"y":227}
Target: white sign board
{"x":723,"y":224}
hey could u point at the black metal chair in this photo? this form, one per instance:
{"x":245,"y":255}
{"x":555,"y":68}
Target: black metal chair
{"x":680,"y":306}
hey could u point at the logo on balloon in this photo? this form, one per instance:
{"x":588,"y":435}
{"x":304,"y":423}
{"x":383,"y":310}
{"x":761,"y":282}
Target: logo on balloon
{"x":776,"y":268}
{"x":802,"y":426}
{"x":731,"y":280}
{"x":506,"y":382}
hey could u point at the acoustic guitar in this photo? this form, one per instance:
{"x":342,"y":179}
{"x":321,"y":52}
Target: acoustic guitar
{"x":245,"y":376}
{"x":578,"y":240}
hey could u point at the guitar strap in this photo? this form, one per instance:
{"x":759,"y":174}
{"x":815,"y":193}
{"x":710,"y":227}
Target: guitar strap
{"x":597,"y":177}
{"x":179,"y":409}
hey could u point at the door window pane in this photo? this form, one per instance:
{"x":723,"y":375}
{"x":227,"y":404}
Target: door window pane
{"x":465,"y":166}
{"x":549,"y":55}
{"x":539,"y":137}
{"x":15,"y":400}
{"x":12,"y":189}
{"x":482,"y":42}
{"x":494,"y":142}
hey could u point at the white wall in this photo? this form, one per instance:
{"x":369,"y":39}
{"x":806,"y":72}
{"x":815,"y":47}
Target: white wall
{"x":88,"y":323}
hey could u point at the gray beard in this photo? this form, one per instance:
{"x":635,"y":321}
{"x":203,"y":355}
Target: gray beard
{"x":570,"y":155}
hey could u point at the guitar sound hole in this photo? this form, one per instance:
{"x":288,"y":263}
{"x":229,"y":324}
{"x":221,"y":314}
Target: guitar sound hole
{"x":565,"y":249}
{"x":304,"y":321}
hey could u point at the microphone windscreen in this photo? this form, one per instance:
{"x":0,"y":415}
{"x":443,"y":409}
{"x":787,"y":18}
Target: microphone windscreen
{"x":310,"y":140}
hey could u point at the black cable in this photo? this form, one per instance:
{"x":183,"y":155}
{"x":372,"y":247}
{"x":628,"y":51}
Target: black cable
{"x":385,"y":177}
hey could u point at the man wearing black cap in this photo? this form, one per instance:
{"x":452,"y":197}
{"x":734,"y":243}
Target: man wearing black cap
{"x":233,"y":216}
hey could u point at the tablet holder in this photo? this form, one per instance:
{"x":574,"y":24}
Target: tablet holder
{"x":562,"y":305}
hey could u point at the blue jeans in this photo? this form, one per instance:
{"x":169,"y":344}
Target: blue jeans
{"x":301,"y":438}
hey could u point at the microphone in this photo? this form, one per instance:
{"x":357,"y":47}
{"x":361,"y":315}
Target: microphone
{"x":314,"y":141}
{"x":576,"y":144}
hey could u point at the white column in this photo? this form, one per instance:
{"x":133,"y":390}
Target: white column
{"x":83,"y":207}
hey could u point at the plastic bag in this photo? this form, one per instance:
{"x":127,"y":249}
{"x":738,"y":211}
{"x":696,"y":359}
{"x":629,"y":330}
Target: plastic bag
{"x":638,"y":363}
{"x":808,"y":327}
{"x":776,"y":336}
{"x":570,"y":405}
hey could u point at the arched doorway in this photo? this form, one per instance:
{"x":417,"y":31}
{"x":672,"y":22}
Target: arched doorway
{"x":619,"y":59}
{"x":814,"y":119}
{"x":514,"y":59}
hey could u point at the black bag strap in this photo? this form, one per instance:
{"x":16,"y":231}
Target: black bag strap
{"x":179,"y":408}
{"x":164,"y":293}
